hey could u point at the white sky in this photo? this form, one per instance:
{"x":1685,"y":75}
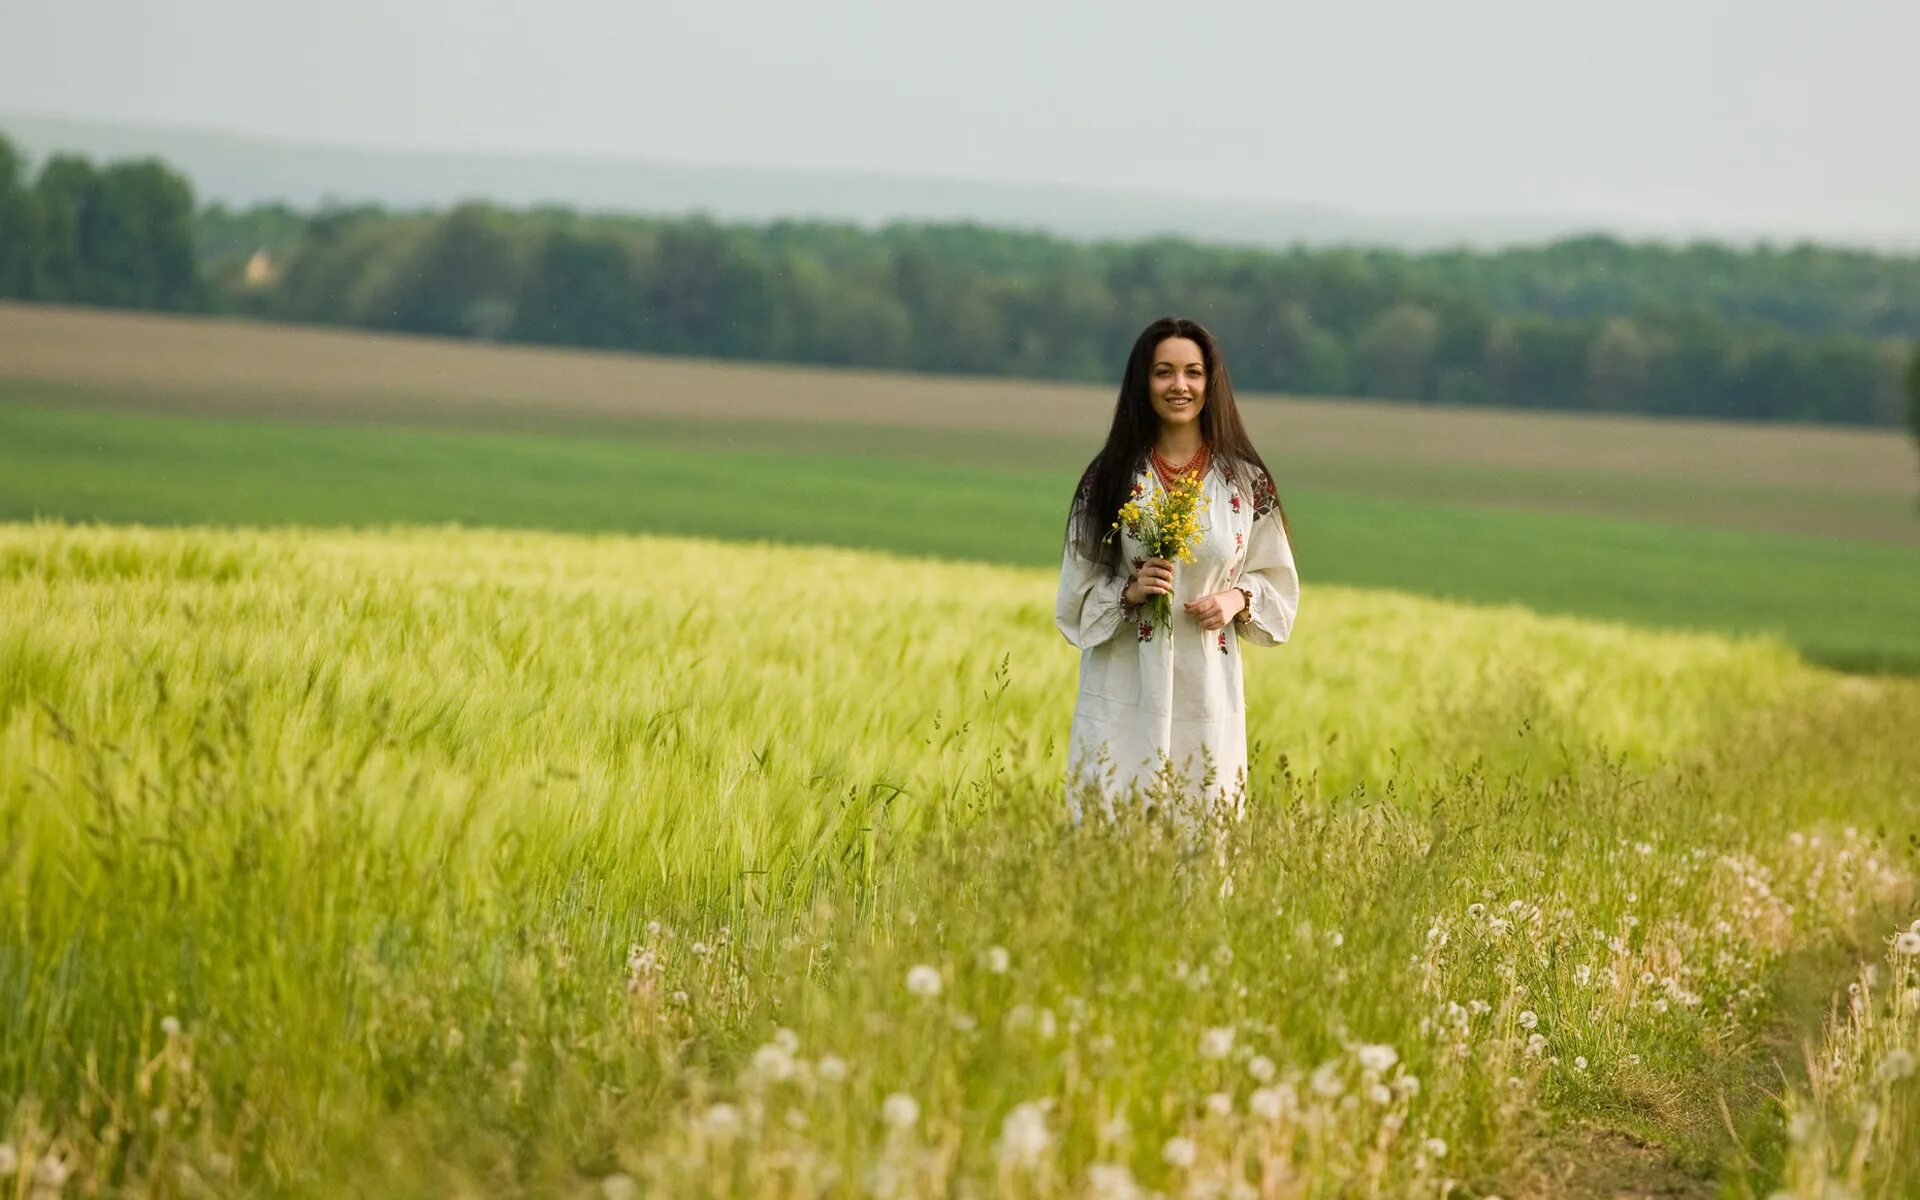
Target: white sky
{"x":1748,"y":116}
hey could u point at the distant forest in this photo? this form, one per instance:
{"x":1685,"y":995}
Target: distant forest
{"x":1803,"y":333}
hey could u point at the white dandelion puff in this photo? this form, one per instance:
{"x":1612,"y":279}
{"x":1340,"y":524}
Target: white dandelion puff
{"x":619,"y":1187}
{"x":831,"y":1068}
{"x":1266,"y":1103}
{"x":1217,"y":1042}
{"x":1377,"y":1058}
{"x":900,"y":1111}
{"x":1907,"y":943}
{"x":721,"y":1122}
{"x":1529,"y":1019}
{"x":1261,"y":1068}
{"x":1024,"y":1139}
{"x":1436,"y":1147}
{"x":998,"y":960}
{"x":1180,"y":1152}
{"x":1220,"y":1104}
{"x":924,"y":981}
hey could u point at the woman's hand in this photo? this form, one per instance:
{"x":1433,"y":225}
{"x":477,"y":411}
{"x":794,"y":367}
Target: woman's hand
{"x":1213,"y":612}
{"x":1156,"y":576}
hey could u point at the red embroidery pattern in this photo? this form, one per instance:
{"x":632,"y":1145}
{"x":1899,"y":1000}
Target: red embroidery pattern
{"x":1146,"y":631}
{"x":1223,"y":641}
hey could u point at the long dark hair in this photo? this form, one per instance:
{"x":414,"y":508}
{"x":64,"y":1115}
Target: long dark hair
{"x":1108,"y":480}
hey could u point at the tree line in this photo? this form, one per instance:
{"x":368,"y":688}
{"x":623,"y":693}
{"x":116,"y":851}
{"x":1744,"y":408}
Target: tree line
{"x":121,"y":234}
{"x":1807,"y":333}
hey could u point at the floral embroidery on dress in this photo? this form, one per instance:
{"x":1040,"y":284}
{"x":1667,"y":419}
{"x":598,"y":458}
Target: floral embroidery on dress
{"x":1223,"y":641}
{"x":1137,"y":564}
{"x":1239,"y":540}
{"x":1146,"y":631}
{"x":1234,"y":500}
{"x":1265,"y":497}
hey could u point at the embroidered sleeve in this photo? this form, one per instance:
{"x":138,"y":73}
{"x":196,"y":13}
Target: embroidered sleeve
{"x":1268,"y":572}
{"x":1090,"y":607}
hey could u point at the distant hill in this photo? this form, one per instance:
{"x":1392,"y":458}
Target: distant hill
{"x":242,"y":171}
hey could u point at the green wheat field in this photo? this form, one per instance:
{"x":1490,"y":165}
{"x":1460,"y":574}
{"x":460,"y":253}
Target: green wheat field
{"x":639,"y":805}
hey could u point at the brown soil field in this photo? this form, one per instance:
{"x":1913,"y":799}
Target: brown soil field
{"x":236,"y":366}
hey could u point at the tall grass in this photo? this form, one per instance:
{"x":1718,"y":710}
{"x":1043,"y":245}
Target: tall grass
{"x":430,"y":862}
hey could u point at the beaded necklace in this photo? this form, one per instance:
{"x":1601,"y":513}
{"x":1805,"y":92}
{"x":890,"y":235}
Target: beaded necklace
{"x":1197,"y":465}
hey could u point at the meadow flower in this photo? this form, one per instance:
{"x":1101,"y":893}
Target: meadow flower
{"x":1267,"y":1104}
{"x":1377,"y":1058}
{"x":1907,"y":943}
{"x":1898,"y":1064}
{"x":787,"y":1040}
{"x":1220,"y":1104}
{"x":1529,"y":1019}
{"x":772,"y":1063}
{"x":900,"y":1111}
{"x":170,"y":1026}
{"x":1180,"y":1152}
{"x":1407,"y":1085}
{"x":1580,"y":1062}
{"x":1436,"y":1147}
{"x":619,"y":1187}
{"x":1380,"y":1094}
{"x":1476,"y":910}
{"x":831,"y":1069}
{"x":998,"y":960}
{"x":1261,"y":1068}
{"x":1326,"y":1080}
{"x":1111,"y":1181}
{"x":1024,"y":1139}
{"x":924,"y":981}
{"x":1537,"y":1044}
{"x":721,"y":1122}
{"x":1217,"y":1042}
{"x":1116,"y":1129}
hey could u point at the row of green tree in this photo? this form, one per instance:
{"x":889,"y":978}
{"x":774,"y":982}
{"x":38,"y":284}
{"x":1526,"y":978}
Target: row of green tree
{"x":121,"y":234}
{"x":963,"y":298}
{"x":1440,"y":328}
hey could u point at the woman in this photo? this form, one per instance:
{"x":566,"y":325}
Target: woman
{"x":1161,"y":712}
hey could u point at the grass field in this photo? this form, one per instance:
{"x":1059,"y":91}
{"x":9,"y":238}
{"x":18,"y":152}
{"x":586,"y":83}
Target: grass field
{"x":428,"y":863}
{"x":1849,"y":604}
{"x":695,"y":827}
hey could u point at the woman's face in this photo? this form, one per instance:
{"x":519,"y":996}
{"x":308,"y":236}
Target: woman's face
{"x":1177,"y":381}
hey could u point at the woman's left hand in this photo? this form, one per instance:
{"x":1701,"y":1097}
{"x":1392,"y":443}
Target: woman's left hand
{"x":1213,"y":612}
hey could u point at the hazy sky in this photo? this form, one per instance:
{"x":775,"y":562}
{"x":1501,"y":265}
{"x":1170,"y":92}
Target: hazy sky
{"x":1779,"y":116}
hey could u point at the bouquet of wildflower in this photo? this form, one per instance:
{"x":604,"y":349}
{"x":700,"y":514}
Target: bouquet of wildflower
{"x":1167,"y":524}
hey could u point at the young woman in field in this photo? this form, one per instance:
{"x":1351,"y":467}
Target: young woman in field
{"x":1161,"y":711}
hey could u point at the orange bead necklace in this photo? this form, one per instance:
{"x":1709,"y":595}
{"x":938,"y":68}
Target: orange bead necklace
{"x":1197,"y":465}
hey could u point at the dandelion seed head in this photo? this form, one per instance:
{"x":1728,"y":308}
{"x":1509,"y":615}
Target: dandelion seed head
{"x":1261,"y":1068}
{"x":1180,"y":1152}
{"x":1435,"y":1147}
{"x":924,"y":981}
{"x":721,"y":1122}
{"x":1266,"y":1103}
{"x":1377,"y":1057}
{"x":1024,"y":1139}
{"x":1908,"y":943}
{"x":1529,"y":1019}
{"x":619,"y":1187}
{"x":1217,"y":1042}
{"x":900,"y":1111}
{"x":998,"y":960}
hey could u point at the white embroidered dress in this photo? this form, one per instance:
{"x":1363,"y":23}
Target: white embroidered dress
{"x":1169,"y":704}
